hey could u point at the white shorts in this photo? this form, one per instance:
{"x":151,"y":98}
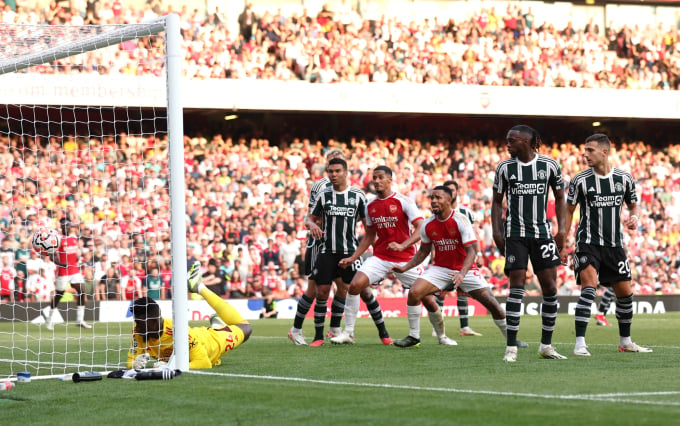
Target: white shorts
{"x":376,"y":269}
{"x":442,"y":279}
{"x":62,"y":281}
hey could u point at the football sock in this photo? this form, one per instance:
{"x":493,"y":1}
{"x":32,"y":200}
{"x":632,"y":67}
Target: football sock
{"x":624,"y":314}
{"x":376,"y":314}
{"x":548,"y":317}
{"x":413,"y":313}
{"x":337,"y":309}
{"x":304,"y":304}
{"x":462,"y":311}
{"x":513,"y":307}
{"x":80,"y":314}
{"x":502,"y":326}
{"x":606,"y":301}
{"x":320,"y":309}
{"x":437,"y":321}
{"x":224,"y":310}
{"x":582,"y":312}
{"x":351,"y":312}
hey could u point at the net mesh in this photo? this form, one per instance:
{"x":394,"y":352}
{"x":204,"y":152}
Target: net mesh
{"x":97,"y":171}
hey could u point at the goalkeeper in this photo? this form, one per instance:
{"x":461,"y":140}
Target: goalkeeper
{"x":152,"y":335}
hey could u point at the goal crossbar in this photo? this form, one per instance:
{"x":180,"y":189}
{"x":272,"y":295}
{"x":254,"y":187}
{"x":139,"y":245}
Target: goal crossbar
{"x":114,"y":36}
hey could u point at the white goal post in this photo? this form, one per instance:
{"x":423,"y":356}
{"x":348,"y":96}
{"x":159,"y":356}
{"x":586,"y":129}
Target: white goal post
{"x":114,"y":172}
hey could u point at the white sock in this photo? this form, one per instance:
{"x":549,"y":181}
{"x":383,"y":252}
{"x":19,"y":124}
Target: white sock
{"x":437,"y":321}
{"x":80,"y":314}
{"x":51,"y":314}
{"x":351,"y":311}
{"x":413,"y":313}
{"x":625,"y":340}
{"x":580,"y":341}
{"x":502,"y":326}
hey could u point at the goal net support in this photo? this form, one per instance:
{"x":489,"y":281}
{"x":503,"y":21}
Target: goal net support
{"x":107,"y":168}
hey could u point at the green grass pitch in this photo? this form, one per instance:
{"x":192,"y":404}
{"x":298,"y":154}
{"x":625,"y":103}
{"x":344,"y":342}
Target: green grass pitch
{"x":269,"y":381}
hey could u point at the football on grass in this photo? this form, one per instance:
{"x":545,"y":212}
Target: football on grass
{"x":46,"y":241}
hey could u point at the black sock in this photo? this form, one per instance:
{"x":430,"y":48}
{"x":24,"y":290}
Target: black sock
{"x":376,"y":314}
{"x":320,"y":309}
{"x":304,"y":304}
{"x":624,"y":314}
{"x":606,"y":301}
{"x":462,"y":311}
{"x":513,"y":308}
{"x":548,"y":317}
{"x":582,"y":312}
{"x":337,"y":310}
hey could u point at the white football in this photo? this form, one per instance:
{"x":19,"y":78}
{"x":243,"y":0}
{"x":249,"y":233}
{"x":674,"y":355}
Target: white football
{"x":46,"y":240}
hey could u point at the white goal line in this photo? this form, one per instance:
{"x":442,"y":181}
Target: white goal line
{"x":626,"y":397}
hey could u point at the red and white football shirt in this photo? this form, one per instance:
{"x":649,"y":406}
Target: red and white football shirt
{"x":68,"y":254}
{"x":449,"y":238}
{"x":392,"y":218}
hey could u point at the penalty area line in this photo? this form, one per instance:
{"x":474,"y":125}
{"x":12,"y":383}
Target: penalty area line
{"x":614,"y":398}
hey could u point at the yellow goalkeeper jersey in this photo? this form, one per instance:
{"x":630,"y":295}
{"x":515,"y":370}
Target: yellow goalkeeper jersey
{"x":206,"y":345}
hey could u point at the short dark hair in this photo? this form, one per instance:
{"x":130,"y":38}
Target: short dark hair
{"x":336,"y":160}
{"x":601,"y":139}
{"x":145,"y":307}
{"x":385,"y":169}
{"x":451,"y":182}
{"x":535,"y":137}
{"x":443,"y":188}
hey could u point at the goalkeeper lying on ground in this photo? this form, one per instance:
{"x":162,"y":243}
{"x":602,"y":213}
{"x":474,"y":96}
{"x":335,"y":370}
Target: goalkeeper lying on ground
{"x":152,"y":335}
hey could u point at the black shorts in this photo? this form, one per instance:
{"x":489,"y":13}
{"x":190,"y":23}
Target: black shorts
{"x":542,"y":253}
{"x":311,"y":257}
{"x":326,"y":269}
{"x":611,"y":263}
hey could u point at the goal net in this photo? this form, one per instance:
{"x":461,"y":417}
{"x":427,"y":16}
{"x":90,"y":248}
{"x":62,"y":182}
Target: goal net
{"x":91,"y":145}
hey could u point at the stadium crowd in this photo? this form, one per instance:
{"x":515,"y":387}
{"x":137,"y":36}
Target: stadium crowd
{"x":489,"y":47}
{"x":246,"y":201}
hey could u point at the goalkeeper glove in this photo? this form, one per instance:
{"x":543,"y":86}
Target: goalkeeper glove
{"x":140,"y":361}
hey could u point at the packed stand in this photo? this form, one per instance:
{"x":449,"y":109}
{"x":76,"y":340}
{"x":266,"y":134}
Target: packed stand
{"x":246,"y":201}
{"x":490,"y":47}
